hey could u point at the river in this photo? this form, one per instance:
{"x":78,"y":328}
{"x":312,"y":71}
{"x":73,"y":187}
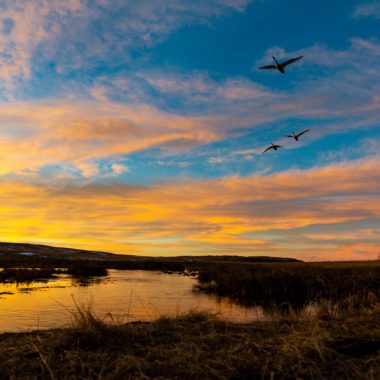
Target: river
{"x":124,"y":295}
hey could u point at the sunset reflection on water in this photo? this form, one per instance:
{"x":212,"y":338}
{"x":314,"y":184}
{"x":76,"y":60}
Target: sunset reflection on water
{"x":125,"y":295}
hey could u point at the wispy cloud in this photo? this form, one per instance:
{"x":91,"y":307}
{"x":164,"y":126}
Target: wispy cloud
{"x":102,"y":123}
{"x":199,"y":87}
{"x":371,"y":9}
{"x":313,"y":96}
{"x":119,"y":168}
{"x":351,"y":103}
{"x":78,"y":34}
{"x":83,"y":130}
{"x":217,"y":160}
{"x":82,"y":133}
{"x":26,"y":25}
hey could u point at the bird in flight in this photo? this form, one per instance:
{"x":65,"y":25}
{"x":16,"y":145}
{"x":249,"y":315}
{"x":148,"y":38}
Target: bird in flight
{"x":272,"y":146}
{"x":281,"y":66}
{"x":297,"y":136}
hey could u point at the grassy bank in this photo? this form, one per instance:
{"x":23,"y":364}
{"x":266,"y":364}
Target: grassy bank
{"x":198,"y":346}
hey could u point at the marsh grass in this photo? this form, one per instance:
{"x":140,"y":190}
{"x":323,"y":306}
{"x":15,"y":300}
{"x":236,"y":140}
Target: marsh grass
{"x":69,"y":261}
{"x":198,"y":346}
{"x":27,"y":275}
{"x":294,"y":285}
{"x":82,"y":269}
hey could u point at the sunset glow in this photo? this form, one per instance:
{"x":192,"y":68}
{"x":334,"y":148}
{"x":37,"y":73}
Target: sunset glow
{"x":138,"y":127}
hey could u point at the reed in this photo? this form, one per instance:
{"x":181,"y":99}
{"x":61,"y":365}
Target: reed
{"x":81,"y":269}
{"x":26,"y":275}
{"x":294,"y":284}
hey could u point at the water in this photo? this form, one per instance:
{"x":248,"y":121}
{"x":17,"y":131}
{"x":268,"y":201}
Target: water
{"x":125,"y":294}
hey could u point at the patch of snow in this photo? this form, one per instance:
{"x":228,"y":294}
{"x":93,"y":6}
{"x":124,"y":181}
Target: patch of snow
{"x":98,"y":253}
{"x":27,"y":253}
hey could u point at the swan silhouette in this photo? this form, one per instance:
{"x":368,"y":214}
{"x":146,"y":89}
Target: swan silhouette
{"x":280,"y":66}
{"x":297,"y":136}
{"x":272,"y":146}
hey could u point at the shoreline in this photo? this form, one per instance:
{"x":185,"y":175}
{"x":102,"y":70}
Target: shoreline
{"x":198,"y":345}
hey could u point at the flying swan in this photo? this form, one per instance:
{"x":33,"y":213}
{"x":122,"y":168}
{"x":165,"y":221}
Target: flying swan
{"x":280,"y":66}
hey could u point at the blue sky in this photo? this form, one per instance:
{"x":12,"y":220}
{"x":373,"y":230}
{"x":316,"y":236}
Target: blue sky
{"x":165,"y":98}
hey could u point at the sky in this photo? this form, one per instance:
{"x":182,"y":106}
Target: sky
{"x":138,"y":126}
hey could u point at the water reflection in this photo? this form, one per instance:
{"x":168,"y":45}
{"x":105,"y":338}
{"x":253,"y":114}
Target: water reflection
{"x":128,"y":295}
{"x":87,"y":280}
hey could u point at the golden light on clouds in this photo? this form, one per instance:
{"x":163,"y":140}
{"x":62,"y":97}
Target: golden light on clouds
{"x":233,"y":215}
{"x":111,"y":138}
{"x":64,"y":133}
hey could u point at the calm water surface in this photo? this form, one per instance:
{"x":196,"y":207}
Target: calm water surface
{"x":127,"y":295}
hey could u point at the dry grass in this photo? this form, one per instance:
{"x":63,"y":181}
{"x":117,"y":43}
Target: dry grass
{"x":198,"y":346}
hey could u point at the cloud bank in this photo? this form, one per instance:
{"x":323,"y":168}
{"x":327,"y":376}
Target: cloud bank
{"x":330,"y":212}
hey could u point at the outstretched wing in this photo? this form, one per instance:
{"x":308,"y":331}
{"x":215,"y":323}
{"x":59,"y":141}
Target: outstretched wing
{"x":288,"y":136}
{"x":301,"y":133}
{"x":269,"y":147}
{"x":292,"y":61}
{"x":269,"y":67}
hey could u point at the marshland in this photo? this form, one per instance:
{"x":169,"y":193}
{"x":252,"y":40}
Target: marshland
{"x":289,"y":319}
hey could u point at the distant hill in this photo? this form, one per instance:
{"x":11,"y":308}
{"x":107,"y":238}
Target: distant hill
{"x":32,"y":252}
{"x":236,"y":258}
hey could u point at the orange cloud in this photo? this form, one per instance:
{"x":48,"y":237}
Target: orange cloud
{"x":81,"y":133}
{"x":273,"y":215}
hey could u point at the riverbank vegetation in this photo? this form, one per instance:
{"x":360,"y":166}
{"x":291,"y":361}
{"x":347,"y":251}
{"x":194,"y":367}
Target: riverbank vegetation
{"x":27,"y":275}
{"x":294,"y":285}
{"x":198,"y":346}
